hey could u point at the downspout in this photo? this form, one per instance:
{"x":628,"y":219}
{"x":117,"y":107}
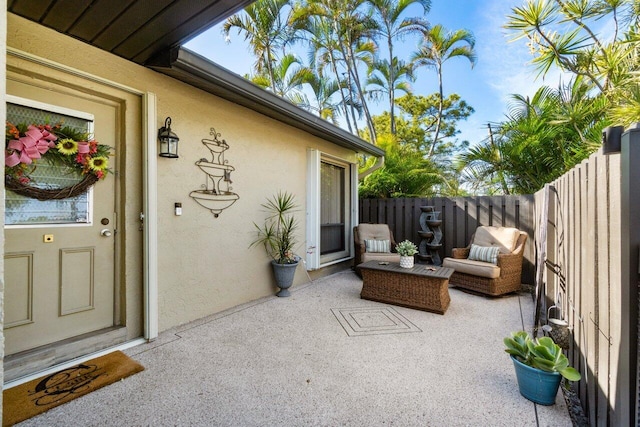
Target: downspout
{"x":377,"y":165}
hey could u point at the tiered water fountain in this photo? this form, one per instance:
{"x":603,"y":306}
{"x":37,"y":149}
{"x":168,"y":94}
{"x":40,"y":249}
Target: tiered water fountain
{"x":431,"y":235}
{"x":212,"y":196}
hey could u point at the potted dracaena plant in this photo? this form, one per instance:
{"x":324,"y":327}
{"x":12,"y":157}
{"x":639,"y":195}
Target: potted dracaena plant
{"x":278,"y":236}
{"x":540,"y":365}
{"x":406,"y":249}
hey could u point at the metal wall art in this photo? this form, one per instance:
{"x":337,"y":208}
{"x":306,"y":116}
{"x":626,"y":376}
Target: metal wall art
{"x":215,"y":194}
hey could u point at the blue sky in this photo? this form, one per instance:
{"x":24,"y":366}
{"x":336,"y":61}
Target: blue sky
{"x":502,"y":67}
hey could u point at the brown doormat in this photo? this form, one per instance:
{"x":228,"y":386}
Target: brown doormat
{"x":37,"y":396}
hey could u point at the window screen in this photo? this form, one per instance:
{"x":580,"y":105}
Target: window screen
{"x":332,"y":208}
{"x":21,"y":210}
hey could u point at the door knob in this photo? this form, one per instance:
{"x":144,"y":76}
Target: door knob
{"x":105,"y":232}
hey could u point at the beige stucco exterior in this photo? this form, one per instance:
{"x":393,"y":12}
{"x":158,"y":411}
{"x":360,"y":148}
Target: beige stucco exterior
{"x":3,"y":46}
{"x":205,"y":263}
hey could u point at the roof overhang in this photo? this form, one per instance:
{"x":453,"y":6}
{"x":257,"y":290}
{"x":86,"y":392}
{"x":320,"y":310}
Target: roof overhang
{"x":132,"y":29}
{"x":150,"y":33}
{"x":196,"y":70}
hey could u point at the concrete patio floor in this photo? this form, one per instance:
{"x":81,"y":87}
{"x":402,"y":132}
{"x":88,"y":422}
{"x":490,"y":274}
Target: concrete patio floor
{"x":325,"y":357}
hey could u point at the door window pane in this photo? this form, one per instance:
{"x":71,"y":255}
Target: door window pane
{"x":332,"y":208}
{"x":21,"y":210}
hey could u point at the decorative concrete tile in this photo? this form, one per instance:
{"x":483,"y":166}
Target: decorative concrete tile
{"x":373,"y":321}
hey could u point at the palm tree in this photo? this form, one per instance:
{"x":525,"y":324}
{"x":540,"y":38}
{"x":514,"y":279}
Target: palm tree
{"x":392,"y":27}
{"x":353,"y":31}
{"x":406,"y":173}
{"x":542,"y":138}
{"x":482,"y":166}
{"x":324,"y":53}
{"x":286,"y":79}
{"x":265,"y":28}
{"x":575,"y":46}
{"x":438,"y":46}
{"x":357,"y":32}
{"x":627,"y":111}
{"x":324,"y":90}
{"x":581,"y":115}
{"x":387,"y":79}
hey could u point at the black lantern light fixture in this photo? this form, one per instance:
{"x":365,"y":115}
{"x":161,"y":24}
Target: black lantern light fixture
{"x":168,"y":140}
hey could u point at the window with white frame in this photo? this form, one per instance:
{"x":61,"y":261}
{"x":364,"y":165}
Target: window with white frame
{"x":331,"y":203}
{"x":27,"y":212}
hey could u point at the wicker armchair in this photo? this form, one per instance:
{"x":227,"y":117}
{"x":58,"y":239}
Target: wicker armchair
{"x":484,"y":277}
{"x":364,"y":232}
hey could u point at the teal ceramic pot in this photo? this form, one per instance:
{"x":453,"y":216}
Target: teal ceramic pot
{"x":537,"y":385}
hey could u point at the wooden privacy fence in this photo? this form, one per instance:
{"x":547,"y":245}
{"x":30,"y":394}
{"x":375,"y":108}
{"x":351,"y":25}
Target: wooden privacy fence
{"x":589,"y":262}
{"x":460,"y":218}
{"x":582,"y":246}
{"x":591,"y":274}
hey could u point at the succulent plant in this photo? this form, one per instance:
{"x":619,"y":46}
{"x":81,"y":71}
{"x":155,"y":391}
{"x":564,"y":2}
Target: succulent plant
{"x":541,"y":353}
{"x":406,"y":248}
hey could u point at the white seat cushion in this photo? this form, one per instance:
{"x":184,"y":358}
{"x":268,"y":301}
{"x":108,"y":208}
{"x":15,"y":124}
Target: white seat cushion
{"x":504,"y":238}
{"x":475,"y":268}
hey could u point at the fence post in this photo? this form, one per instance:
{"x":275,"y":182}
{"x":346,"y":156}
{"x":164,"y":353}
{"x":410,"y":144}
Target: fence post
{"x":625,"y":412}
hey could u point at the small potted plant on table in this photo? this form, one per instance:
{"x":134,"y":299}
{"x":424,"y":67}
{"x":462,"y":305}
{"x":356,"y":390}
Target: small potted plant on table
{"x":278,"y":236}
{"x":540,"y":365}
{"x":406,"y":249}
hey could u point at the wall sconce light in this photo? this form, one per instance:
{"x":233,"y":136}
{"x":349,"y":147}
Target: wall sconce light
{"x":168,"y":140}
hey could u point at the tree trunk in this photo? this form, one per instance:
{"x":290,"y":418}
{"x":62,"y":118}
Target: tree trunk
{"x":334,"y":66}
{"x":392,"y":101}
{"x":351,"y":107}
{"x":270,"y":72}
{"x":440,"y":108}
{"x":354,"y":72}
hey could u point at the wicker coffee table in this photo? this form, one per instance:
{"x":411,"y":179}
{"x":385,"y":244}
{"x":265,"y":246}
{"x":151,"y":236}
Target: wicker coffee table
{"x":423,"y":287}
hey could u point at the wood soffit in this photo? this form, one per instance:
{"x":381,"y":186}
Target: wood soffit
{"x":133,"y":29}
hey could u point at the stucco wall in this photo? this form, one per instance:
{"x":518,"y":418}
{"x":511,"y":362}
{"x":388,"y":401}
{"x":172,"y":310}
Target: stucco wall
{"x":3,"y":38}
{"x":205,"y":265}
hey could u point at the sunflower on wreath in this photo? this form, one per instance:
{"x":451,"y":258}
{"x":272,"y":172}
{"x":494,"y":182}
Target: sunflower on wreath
{"x":27,"y":145}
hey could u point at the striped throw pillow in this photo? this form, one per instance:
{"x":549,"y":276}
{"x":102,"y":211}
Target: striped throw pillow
{"x":377,"y":245}
{"x":484,"y":253}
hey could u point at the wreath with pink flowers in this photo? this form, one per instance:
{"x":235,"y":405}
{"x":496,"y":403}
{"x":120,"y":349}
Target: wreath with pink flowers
{"x":28,"y":145}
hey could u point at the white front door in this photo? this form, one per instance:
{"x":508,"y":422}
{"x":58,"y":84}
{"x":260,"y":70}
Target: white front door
{"x":60,"y":269}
